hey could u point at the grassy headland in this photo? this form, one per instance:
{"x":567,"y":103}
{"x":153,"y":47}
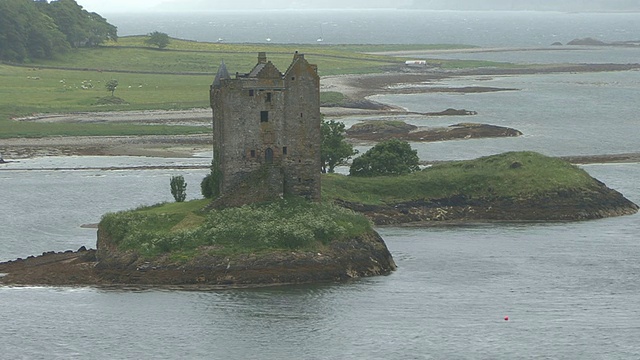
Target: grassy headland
{"x":174,"y":78}
{"x":514,"y":174}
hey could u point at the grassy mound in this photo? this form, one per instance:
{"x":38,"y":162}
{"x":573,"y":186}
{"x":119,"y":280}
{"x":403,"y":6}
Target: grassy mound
{"x":513,"y":174}
{"x":182,"y":228}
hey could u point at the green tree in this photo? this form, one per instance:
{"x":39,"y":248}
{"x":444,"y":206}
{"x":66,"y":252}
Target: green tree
{"x":111,"y":85}
{"x":391,"y":157}
{"x":210,"y":185}
{"x":25,"y":32}
{"x":161,"y":40}
{"x":81,"y":27}
{"x":334,"y":150}
{"x":178,"y":188}
{"x":40,"y":29}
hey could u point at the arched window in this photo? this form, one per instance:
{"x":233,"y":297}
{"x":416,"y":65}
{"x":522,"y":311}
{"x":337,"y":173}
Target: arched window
{"x":268,"y":156}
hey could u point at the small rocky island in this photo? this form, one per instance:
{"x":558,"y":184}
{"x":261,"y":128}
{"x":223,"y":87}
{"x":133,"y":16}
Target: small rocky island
{"x":380,"y":130}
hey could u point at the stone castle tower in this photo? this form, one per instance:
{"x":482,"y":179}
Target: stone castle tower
{"x":266,"y":132}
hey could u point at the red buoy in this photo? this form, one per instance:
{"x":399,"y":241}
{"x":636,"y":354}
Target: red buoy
{"x":506,"y":318}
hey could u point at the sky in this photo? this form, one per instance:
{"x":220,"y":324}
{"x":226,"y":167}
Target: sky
{"x":113,"y":6}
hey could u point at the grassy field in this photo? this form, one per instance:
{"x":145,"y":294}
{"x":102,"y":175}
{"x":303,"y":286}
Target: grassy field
{"x":514,"y":174}
{"x":174,"y":78}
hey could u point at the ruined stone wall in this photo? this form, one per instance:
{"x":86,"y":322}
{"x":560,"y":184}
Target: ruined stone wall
{"x":265,"y":118}
{"x":302,"y":175}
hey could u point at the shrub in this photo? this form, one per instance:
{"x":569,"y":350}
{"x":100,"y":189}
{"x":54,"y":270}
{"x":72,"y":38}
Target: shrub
{"x":391,"y":157}
{"x":178,"y":188}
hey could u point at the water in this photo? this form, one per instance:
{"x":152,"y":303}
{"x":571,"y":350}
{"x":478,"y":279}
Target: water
{"x":570,"y":289}
{"x":488,"y":29}
{"x":43,"y":210}
{"x":559,"y":114}
{"x":546,"y":55}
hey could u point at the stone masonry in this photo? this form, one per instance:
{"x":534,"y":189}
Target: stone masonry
{"x":266,"y":132}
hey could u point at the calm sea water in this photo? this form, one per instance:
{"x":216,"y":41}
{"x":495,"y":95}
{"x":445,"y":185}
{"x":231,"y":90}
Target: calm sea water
{"x":570,"y":290}
{"x":501,"y":28}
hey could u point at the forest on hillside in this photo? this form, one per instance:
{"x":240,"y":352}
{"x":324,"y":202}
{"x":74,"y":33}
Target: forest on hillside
{"x":38,"y":29}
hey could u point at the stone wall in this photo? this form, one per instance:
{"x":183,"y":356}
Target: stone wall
{"x":267,"y":118}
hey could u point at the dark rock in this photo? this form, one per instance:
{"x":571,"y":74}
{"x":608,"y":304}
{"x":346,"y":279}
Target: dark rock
{"x":82,"y":248}
{"x":564,"y":205}
{"x":453,"y":112}
{"x":377,"y":130}
{"x":587,"y":42}
{"x":366,"y":255}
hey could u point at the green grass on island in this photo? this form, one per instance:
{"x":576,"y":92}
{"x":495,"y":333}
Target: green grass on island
{"x":182,"y":229}
{"x":175,"y":78}
{"x":513,"y":174}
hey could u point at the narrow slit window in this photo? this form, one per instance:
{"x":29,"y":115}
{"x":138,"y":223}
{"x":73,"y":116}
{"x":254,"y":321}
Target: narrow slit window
{"x":268,"y":156}
{"x":253,"y":153}
{"x":284,"y":150}
{"x":264,"y":116}
{"x":268,"y":98}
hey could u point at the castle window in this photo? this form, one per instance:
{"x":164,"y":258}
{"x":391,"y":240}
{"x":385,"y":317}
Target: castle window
{"x":284,"y":150}
{"x":268,"y":156}
{"x":293,"y":78}
{"x":264,"y":116}
{"x":251,"y":92}
{"x":268,"y":99}
{"x":253,"y":153}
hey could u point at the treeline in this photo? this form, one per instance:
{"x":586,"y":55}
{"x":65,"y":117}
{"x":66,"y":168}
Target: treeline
{"x":38,"y":29}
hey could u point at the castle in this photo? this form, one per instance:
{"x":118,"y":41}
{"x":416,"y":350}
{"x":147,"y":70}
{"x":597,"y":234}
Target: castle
{"x":266,"y":132}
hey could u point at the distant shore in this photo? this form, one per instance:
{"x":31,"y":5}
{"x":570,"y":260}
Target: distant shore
{"x":399,"y":80}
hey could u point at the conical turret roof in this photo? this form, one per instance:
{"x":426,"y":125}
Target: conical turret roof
{"x":222,"y":74}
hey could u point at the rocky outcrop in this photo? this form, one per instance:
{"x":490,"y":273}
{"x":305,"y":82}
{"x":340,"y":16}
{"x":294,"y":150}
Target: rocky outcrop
{"x":567,"y":205}
{"x":366,"y":255}
{"x":453,"y":112}
{"x":587,"y":42}
{"x":595,"y":42}
{"x":376,"y":130}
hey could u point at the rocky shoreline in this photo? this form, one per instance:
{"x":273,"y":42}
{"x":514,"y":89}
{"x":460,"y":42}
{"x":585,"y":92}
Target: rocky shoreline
{"x":364,"y":256}
{"x":566,"y":205}
{"x":384,"y":130}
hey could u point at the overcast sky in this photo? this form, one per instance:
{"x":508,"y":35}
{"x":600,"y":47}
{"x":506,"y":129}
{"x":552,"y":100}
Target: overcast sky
{"x":111,"y":6}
